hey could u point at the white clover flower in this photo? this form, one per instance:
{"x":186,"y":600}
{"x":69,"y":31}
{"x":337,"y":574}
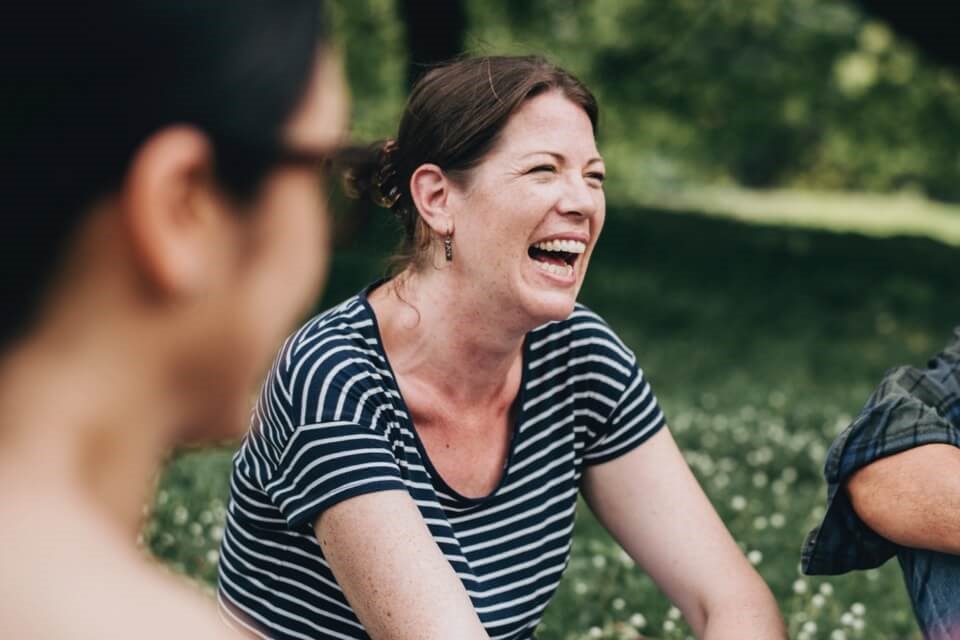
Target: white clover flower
{"x":673,"y":613}
{"x":818,"y":600}
{"x":799,"y":585}
{"x":760,"y":479}
{"x":810,"y":626}
{"x":599,"y":561}
{"x":738,"y":503}
{"x":755,"y":557}
{"x":180,"y":515}
{"x":847,"y":619}
{"x":838,"y":634}
{"x":580,"y":587}
{"x":669,"y":625}
{"x":826,"y":589}
{"x":638,"y":621}
{"x":858,"y":624}
{"x":595,"y":632}
{"x":858,"y":609}
{"x":760,"y":523}
{"x":213,"y":556}
{"x":619,"y":604}
{"x":777,"y":520}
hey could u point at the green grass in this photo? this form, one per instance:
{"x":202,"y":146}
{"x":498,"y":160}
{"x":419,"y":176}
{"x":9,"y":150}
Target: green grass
{"x":761,"y":343}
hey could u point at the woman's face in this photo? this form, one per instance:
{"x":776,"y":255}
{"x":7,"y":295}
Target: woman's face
{"x":281,"y":255}
{"x":532,"y":212}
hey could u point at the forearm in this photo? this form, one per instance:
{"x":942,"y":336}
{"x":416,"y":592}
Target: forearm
{"x":395,"y":578}
{"x":750,"y":611}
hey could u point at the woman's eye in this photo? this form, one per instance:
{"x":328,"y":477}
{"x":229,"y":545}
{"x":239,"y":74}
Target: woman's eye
{"x":543,"y":168}
{"x":598,"y":176}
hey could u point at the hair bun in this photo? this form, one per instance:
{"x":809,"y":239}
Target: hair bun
{"x":387,"y":191}
{"x":373,"y":175}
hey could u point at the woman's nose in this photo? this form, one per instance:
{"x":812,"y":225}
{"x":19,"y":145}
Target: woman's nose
{"x":579,"y":197}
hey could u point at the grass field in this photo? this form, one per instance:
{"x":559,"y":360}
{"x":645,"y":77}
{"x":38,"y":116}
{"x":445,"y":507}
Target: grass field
{"x":761,"y":343}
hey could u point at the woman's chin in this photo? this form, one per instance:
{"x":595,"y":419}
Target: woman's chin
{"x":551,"y":305}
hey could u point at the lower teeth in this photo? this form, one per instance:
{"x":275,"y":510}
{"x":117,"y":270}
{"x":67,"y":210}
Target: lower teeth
{"x":555,"y":269}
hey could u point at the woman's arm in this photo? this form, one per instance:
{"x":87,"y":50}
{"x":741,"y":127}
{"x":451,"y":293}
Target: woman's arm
{"x":393,"y":573}
{"x":912,"y":498}
{"x":653,"y":506}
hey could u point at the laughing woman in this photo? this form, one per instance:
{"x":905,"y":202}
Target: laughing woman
{"x":415,"y":458}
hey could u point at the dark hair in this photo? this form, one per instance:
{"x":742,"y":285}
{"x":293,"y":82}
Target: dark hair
{"x":453,"y":118}
{"x":84,"y":84}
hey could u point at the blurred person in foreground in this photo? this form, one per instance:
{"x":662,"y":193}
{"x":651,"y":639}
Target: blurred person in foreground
{"x":415,"y":458}
{"x":165,"y":226}
{"x":893,"y":475}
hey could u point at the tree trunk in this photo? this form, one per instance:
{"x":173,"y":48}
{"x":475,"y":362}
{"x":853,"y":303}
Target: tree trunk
{"x":435,"y":32}
{"x":931,"y":24}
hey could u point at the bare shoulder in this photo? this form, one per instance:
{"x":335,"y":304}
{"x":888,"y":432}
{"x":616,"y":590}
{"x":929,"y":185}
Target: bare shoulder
{"x":64,"y":574}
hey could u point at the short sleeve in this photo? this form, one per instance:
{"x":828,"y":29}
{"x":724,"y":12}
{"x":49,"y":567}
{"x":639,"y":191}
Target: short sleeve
{"x":324,"y":464}
{"x":634,"y":419}
{"x":911,"y":408}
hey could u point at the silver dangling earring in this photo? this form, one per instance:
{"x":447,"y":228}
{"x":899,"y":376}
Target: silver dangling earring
{"x":448,"y":247}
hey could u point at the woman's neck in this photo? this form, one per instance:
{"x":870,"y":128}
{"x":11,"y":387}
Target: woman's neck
{"x":73,"y":423}
{"x":433,"y":331}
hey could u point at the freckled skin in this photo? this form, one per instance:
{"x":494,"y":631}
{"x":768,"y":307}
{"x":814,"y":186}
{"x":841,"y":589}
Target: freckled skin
{"x":540,"y":180}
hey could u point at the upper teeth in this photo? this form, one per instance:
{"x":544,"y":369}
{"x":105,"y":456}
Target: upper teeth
{"x":567,"y":246}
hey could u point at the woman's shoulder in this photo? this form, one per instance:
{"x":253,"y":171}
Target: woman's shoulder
{"x":333,"y":362}
{"x":342,"y":335}
{"x":584,"y":332}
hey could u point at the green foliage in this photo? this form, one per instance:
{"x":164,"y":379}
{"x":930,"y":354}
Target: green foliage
{"x":372,"y":37}
{"x":764,"y":93}
{"x":761,"y":344}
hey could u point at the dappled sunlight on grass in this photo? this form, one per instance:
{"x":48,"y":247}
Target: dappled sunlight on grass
{"x":872,"y":214}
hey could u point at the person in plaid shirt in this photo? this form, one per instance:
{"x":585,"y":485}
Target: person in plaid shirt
{"x":893,"y":489}
{"x":893,"y":476}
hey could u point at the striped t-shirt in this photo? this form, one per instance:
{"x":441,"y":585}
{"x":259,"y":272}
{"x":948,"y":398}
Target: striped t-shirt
{"x":330,"y":424}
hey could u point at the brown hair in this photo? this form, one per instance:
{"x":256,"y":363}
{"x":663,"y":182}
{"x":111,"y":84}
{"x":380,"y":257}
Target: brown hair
{"x":453,"y":118}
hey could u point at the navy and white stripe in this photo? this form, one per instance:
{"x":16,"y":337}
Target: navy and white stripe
{"x":330,"y":424}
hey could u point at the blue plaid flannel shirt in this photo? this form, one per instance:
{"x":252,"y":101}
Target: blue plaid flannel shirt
{"x":910,"y":408}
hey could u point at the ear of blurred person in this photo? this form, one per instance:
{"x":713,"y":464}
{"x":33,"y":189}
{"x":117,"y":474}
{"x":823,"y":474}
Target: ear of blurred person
{"x":161,"y":243}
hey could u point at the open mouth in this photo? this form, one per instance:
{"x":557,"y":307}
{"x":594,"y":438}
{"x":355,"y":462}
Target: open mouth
{"x":557,"y":257}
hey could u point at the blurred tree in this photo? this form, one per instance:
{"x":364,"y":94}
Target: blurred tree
{"x":765,"y":93}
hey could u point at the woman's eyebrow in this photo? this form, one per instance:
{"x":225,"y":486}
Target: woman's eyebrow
{"x":558,"y":156}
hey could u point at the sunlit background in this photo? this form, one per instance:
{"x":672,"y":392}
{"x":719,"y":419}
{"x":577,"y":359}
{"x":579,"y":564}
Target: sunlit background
{"x":781,"y":230}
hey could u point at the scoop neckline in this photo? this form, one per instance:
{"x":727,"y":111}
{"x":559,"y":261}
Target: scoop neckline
{"x":435,"y":476}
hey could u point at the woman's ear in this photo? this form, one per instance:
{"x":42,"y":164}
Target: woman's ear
{"x":430,"y":189}
{"x":172,"y":213}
